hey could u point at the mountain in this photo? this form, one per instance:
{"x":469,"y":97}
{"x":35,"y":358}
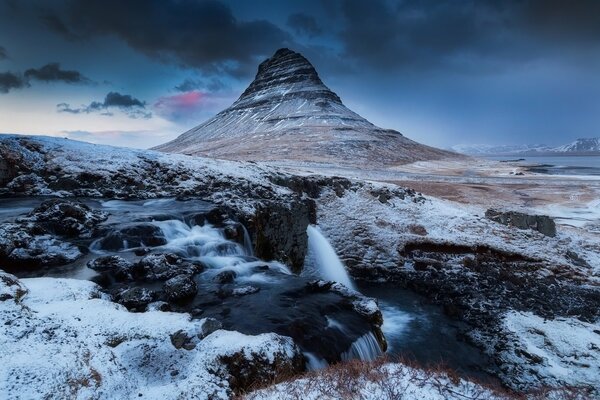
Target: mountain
{"x":578,"y":147}
{"x":287,"y":113}
{"x":487,"y":149}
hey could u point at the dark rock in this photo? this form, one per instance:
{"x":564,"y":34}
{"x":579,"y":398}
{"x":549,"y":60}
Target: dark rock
{"x":132,"y":236}
{"x":281,"y":233}
{"x":209,"y":325}
{"x":181,"y":340}
{"x":180,"y":288}
{"x":115,"y":266}
{"x":248,"y":369}
{"x":23,"y":246}
{"x":159,"y":306}
{"x":226,"y":277}
{"x":164,"y":266}
{"x":136,"y":298}
{"x":540,"y":223}
{"x":67,"y":218}
{"x":11,"y":288}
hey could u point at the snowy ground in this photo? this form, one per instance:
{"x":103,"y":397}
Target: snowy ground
{"x":368,"y":225}
{"x":62,"y":339}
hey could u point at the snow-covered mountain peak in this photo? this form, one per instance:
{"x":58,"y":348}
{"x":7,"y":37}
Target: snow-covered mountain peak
{"x":288,"y":74}
{"x":288,"y":114}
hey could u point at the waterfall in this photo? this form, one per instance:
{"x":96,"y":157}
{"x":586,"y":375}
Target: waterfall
{"x":313,"y":362}
{"x":247,"y":242}
{"x":364,"y":348}
{"x":327,"y":263}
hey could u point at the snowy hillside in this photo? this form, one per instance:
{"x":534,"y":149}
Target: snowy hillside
{"x":287,"y":113}
{"x":591,"y":145}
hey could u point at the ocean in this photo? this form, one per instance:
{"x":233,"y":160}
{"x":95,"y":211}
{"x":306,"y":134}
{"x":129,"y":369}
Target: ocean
{"x":557,"y":165}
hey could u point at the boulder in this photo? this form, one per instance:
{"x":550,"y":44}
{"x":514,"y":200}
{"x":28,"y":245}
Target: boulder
{"x":225,"y":277}
{"x":23,"y":246}
{"x":115,"y":266}
{"x":11,"y":288}
{"x":132,"y":236}
{"x":540,"y":223}
{"x":180,"y":288}
{"x":164,"y":266}
{"x":66,"y":218}
{"x":136,"y":298}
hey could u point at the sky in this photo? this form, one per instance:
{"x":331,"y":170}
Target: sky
{"x":443,"y":72}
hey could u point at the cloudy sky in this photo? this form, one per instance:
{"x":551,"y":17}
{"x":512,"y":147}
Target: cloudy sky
{"x":139,"y":72}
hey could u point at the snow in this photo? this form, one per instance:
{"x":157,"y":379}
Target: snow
{"x":565,"y":351}
{"x":65,"y":340}
{"x":375,"y":382}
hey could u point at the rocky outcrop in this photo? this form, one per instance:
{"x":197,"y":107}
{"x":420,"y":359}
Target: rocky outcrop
{"x":288,"y":114}
{"x":249,"y":370}
{"x":66,"y":218}
{"x":280,"y":233}
{"x":540,"y":223}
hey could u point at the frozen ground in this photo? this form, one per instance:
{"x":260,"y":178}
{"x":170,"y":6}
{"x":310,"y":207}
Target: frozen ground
{"x":369,"y":223}
{"x":62,"y":339}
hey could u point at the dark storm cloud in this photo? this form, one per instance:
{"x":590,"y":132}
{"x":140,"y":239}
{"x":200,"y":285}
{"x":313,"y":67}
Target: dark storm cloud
{"x":134,"y":108}
{"x":304,"y":24}
{"x":3,"y":53}
{"x":9,"y":81}
{"x":199,"y":34}
{"x":471,"y":33}
{"x":52,"y":73}
{"x":212,"y":85}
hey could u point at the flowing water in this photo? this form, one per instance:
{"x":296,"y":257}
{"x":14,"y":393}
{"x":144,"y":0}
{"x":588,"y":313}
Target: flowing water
{"x":413,"y":328}
{"x":264,"y":296}
{"x":325,"y":259}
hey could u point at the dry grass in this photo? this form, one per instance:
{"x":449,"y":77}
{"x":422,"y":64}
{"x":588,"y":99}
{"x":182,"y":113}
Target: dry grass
{"x":348,"y":381}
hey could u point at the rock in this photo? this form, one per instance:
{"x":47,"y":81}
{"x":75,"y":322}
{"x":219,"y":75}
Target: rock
{"x":540,"y":223}
{"x":115,"y":266}
{"x":280,"y":231}
{"x":67,"y":218}
{"x":180,"y":288}
{"x":208,"y":326}
{"x":181,"y":340}
{"x":245,"y":290}
{"x":159,"y":306}
{"x":164,"y":266}
{"x":23,"y":246}
{"x":250,"y":368}
{"x":136,"y":235}
{"x":11,"y":288}
{"x":136,"y":298}
{"x":225,"y":277}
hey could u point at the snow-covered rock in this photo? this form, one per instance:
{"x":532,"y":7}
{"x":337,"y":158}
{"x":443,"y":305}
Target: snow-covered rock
{"x":61,"y":338}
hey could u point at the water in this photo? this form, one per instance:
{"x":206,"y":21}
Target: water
{"x":263,"y":297}
{"x":325,"y":258}
{"x":419,"y":330}
{"x":413,"y":328}
{"x":557,"y":165}
{"x":319,"y":322}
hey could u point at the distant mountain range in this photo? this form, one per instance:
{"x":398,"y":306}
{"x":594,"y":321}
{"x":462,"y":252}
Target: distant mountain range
{"x":584,"y":146}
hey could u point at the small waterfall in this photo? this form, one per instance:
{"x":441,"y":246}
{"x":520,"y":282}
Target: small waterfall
{"x":313,"y":362}
{"x":327,"y":263}
{"x":247,"y":242}
{"x":364,"y":348}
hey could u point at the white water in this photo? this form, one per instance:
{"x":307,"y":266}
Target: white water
{"x":327,"y":263}
{"x":364,"y":348}
{"x":313,"y":362}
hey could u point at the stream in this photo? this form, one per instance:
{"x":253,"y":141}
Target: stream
{"x":255,"y":296}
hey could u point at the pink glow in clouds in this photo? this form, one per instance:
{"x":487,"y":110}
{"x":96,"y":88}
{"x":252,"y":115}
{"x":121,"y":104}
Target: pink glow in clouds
{"x":181,"y":106}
